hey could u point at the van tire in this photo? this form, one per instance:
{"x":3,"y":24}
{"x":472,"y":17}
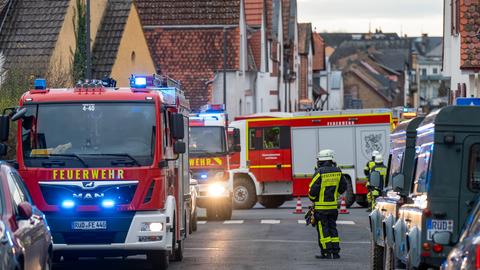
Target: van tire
{"x":376,"y":257}
{"x":158,"y":259}
{"x":272,"y":201}
{"x":244,"y":193}
{"x":349,"y":196}
{"x":194,"y":221}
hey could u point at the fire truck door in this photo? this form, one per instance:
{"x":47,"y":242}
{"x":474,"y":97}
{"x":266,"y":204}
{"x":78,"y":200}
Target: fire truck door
{"x":269,"y":153}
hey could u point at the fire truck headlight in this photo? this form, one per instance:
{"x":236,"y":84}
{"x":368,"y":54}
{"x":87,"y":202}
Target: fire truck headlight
{"x":68,"y":204}
{"x":151,"y":227}
{"x":108,"y":203}
{"x":216,"y":189}
{"x":204,"y":176}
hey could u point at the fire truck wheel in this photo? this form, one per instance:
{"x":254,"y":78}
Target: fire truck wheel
{"x":225,"y":212}
{"x":177,"y":246}
{"x":376,"y":257}
{"x":244,"y":194}
{"x":271,"y":201}
{"x":349,"y":196}
{"x":194,"y":221}
{"x":361,"y":200}
{"x":158,"y":259}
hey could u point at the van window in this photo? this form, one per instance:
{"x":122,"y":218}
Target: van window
{"x":474,"y":168}
{"x":255,"y":139}
{"x":422,"y":173}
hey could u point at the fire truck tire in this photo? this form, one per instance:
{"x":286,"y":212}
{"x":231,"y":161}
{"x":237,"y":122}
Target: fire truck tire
{"x":244,"y":194}
{"x":271,"y":201}
{"x":193,"y":223}
{"x":349,"y":196}
{"x":177,"y":246}
{"x":158,"y":259}
{"x":361,"y":200}
{"x":225,"y":213}
{"x":376,"y":256}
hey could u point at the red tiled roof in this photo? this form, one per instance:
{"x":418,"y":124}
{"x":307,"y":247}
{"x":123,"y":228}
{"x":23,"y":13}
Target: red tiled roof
{"x":189,"y":12}
{"x":192,"y":56}
{"x":285,"y":17}
{"x":470,"y":44}
{"x":254,"y":12}
{"x":319,"y":52}
{"x":269,"y":4}
{"x":255,"y":43}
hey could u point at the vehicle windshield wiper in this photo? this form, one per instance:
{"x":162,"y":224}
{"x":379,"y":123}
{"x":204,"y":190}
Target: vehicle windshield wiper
{"x":71,"y":155}
{"x":132,"y":159}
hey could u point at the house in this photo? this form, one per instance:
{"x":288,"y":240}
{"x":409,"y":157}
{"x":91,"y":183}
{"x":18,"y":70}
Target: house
{"x":461,"y":47}
{"x":305,"y":75}
{"x":40,"y":38}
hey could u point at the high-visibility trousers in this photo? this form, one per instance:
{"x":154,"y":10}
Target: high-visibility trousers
{"x":328,"y":239}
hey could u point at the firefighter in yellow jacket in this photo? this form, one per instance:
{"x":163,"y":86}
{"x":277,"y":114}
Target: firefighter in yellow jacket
{"x":326,"y":186}
{"x":375,"y":191}
{"x":368,"y":167}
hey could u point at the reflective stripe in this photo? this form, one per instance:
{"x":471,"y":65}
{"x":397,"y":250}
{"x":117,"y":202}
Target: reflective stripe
{"x":311,"y":197}
{"x":269,"y":166}
{"x":320,"y":231}
{"x":335,"y":239}
{"x":321,"y":207}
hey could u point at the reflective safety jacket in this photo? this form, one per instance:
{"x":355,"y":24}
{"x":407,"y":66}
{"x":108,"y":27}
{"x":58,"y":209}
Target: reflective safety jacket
{"x":326,"y":186}
{"x":369,"y":167}
{"x":382,"y":169}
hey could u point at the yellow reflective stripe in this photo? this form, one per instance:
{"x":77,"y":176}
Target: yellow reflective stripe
{"x":311,"y":197}
{"x":325,"y":203}
{"x":335,"y":239}
{"x":313,"y":180}
{"x":333,"y":207}
{"x":320,"y":231}
{"x":269,"y":166}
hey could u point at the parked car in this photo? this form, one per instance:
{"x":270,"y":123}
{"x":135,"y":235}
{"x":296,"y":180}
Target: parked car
{"x":466,"y":254}
{"x":25,"y":239}
{"x":193,"y":200}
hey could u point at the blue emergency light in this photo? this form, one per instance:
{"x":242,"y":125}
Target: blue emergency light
{"x":68,"y":204}
{"x":467,"y":102}
{"x":108,"y":203}
{"x":138,"y":81}
{"x":218,"y":108}
{"x":204,"y":176}
{"x":40,"y":84}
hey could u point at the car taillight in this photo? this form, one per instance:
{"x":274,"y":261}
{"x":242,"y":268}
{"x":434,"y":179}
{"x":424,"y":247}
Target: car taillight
{"x":437,"y":248}
{"x":426,"y":246}
{"x":477,"y":257}
{"x":427,"y":213}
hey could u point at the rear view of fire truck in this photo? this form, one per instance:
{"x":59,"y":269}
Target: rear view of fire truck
{"x":209,"y":162}
{"x":108,"y":166}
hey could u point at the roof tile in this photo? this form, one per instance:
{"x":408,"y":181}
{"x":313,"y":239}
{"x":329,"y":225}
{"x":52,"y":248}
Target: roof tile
{"x":470,"y":44}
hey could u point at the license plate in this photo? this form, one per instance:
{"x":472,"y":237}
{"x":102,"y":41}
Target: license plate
{"x":438,"y":225}
{"x":89,"y":225}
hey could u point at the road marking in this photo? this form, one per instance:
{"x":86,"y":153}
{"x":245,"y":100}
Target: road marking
{"x":345,"y":222}
{"x":270,"y":221}
{"x":214,"y":248}
{"x":302,"y":221}
{"x":300,"y":241}
{"x":233,"y":222}
{"x":201,"y":222}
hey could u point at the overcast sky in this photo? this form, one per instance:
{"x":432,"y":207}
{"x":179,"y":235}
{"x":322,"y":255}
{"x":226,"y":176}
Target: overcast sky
{"x":412,"y":17}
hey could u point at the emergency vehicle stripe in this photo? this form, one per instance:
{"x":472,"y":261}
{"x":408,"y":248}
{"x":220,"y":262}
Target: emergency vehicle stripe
{"x":269,"y":166}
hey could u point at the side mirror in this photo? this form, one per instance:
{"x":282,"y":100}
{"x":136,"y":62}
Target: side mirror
{"x":442,"y":238}
{"x":25,"y":210}
{"x":3,"y":149}
{"x":19,"y":114}
{"x":177,"y":126}
{"x":4,"y":128}
{"x":179,"y":147}
{"x":236,"y":136}
{"x":375,"y":179}
{"x":398,"y":182}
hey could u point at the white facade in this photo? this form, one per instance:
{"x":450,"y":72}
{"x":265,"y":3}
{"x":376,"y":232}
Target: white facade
{"x":332,"y":82}
{"x":451,"y":58}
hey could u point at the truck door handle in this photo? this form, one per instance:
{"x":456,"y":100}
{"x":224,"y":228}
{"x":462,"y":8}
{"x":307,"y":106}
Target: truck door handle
{"x":279,"y":166}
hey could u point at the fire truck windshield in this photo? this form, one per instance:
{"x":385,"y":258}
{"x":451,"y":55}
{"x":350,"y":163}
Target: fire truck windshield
{"x":207,"y":140}
{"x":89,"y":135}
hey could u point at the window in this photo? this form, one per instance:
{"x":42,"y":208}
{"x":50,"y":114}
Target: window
{"x":396,"y":163}
{"x":474,"y":168}
{"x":16,"y":192}
{"x":422,"y":170}
{"x":271,"y":138}
{"x":424,"y":72}
{"x":435,"y":70}
{"x":255,"y":139}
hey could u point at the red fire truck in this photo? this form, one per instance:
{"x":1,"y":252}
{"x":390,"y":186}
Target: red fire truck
{"x":278,"y":153}
{"x":209,"y":162}
{"x":108,"y":166}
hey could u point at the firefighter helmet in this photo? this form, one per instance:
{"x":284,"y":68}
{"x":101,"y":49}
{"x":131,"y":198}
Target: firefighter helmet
{"x":325,"y":155}
{"x":379,"y":158}
{"x":375,"y":153}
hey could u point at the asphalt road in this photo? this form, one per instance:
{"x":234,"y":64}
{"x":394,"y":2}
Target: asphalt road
{"x":257,"y":239}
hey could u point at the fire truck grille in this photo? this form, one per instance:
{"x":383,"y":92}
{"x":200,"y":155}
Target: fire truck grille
{"x":91,"y":238}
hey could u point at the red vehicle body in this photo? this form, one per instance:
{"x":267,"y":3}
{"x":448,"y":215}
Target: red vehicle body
{"x":108,"y":168}
{"x":209,"y":160}
{"x":278,"y":154}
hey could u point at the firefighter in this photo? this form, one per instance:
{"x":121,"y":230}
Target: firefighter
{"x":370,"y":163}
{"x":324,"y":189}
{"x":375,"y":191}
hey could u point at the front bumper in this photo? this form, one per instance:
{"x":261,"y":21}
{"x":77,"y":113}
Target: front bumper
{"x":123,"y":234}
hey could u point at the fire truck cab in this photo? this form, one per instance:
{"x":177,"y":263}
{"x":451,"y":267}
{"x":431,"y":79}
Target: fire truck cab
{"x":278,"y":152}
{"x":209,"y":160}
{"x":108,"y":166}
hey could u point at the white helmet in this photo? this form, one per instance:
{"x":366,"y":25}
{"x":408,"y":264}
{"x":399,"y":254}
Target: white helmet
{"x":379,"y":158}
{"x":325,"y":155}
{"x":375,"y":153}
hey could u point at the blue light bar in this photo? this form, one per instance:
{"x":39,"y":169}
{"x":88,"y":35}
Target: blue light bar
{"x":138,"y":81}
{"x":203,"y":176}
{"x":467,"y":101}
{"x":40,"y":84}
{"x":68,"y":204}
{"x":108,"y":203}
